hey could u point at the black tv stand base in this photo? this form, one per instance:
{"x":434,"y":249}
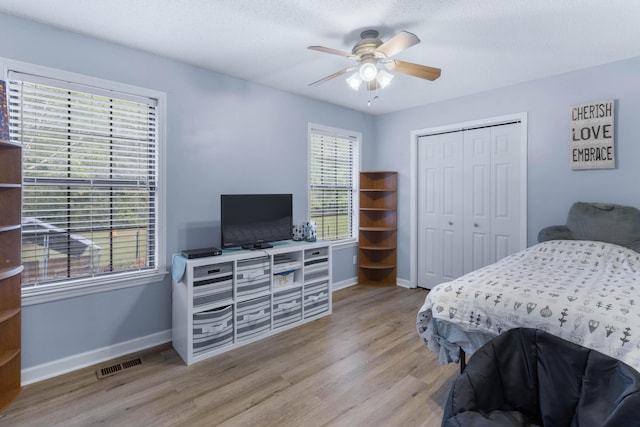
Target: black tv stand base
{"x":257,"y":246}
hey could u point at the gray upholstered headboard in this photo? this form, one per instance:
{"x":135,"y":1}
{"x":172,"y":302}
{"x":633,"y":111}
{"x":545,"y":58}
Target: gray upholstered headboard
{"x":598,"y":221}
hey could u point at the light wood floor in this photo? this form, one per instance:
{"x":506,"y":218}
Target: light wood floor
{"x":364,"y":365}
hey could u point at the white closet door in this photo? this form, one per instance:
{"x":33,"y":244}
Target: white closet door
{"x":477,"y":199}
{"x":468,"y":201}
{"x":505,"y":191}
{"x":440,"y":208}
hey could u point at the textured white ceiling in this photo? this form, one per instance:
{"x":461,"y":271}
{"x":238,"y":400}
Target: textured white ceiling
{"x":478,"y":44}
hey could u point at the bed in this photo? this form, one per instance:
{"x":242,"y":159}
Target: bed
{"x":581,"y":283}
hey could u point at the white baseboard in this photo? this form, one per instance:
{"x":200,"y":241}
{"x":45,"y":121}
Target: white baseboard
{"x":82,"y":360}
{"x":403,"y":283}
{"x":354,"y":281}
{"x":344,"y":284}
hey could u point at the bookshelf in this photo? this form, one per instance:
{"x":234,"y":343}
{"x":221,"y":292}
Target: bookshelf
{"x":10,"y":269}
{"x":378,"y":228}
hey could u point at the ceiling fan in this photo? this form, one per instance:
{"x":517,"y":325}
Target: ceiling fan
{"x":373,"y":55}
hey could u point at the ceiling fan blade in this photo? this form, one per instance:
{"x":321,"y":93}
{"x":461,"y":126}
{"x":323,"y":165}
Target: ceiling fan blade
{"x":396,"y":44}
{"x":416,"y":70}
{"x":332,"y":76}
{"x":333,"y":51}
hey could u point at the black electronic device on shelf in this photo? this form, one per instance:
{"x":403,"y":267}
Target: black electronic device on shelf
{"x":252,"y":221}
{"x":201,"y":253}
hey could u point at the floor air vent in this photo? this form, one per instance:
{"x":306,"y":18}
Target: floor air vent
{"x":108,"y":371}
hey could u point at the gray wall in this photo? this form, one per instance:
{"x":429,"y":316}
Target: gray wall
{"x":552,"y":185}
{"x":224,"y":135}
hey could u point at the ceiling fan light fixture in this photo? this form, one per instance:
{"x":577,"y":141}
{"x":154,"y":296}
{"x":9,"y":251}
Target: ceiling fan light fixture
{"x":384,"y":78}
{"x":374,"y":57}
{"x":354,"y":81}
{"x":368,"y":69}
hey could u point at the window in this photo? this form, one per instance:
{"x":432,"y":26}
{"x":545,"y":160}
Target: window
{"x":91,"y":206}
{"x":334,"y":167}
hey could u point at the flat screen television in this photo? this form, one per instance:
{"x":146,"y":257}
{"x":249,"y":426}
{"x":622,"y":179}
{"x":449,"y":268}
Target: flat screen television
{"x":252,"y":221}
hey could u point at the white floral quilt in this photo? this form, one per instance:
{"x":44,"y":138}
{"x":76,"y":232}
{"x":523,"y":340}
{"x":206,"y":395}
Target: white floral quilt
{"x":584,"y":291}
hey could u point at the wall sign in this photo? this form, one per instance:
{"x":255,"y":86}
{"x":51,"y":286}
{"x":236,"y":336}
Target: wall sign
{"x":592,"y":138}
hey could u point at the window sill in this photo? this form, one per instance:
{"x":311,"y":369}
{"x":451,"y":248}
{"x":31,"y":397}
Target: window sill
{"x":71,"y":289}
{"x":344,"y":244}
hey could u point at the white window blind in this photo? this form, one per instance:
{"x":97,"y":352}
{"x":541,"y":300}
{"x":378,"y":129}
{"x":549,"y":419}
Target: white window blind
{"x":89,"y":179}
{"x":333,"y":184}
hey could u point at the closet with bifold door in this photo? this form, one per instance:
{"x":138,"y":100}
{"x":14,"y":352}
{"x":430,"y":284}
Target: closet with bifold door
{"x":469,"y":200}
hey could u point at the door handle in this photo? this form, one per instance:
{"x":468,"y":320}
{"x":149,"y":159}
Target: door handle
{"x":450,"y":223}
{"x":475,"y":224}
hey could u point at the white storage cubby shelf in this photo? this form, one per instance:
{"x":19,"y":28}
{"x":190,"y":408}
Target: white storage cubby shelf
{"x":225,"y":301}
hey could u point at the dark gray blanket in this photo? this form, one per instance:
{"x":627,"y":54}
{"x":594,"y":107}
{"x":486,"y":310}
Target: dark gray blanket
{"x":526,"y":377}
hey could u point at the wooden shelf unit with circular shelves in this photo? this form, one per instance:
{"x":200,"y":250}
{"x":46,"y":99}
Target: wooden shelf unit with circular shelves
{"x":10,"y":270}
{"x":378,"y":228}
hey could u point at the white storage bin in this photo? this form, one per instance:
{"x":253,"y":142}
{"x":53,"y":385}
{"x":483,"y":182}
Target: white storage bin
{"x":212,"y":329}
{"x":253,"y":318}
{"x":316,"y":263}
{"x":316,"y":269}
{"x":213,"y":270}
{"x":212,"y":283}
{"x":253,"y":276}
{"x":223,"y":291}
{"x":316,"y":298}
{"x":287,"y":307}
{"x":317,"y":253}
